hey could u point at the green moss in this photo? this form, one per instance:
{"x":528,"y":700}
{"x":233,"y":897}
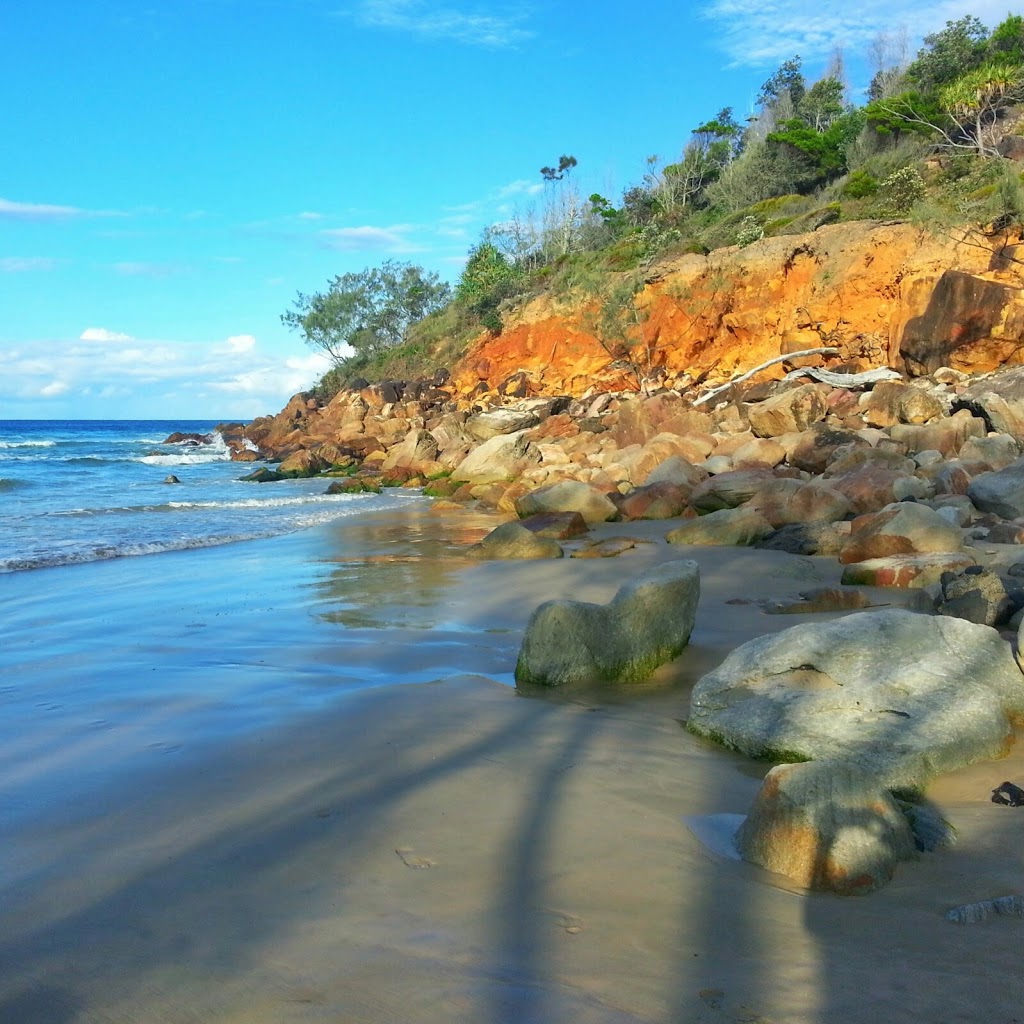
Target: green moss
{"x":775,"y":755}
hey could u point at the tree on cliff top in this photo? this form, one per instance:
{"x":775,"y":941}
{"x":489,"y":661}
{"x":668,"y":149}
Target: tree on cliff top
{"x":362,"y":314}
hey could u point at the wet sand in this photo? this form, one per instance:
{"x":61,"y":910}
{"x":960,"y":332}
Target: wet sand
{"x":291,"y":781}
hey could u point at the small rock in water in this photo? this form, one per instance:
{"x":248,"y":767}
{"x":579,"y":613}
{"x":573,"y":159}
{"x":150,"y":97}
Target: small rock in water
{"x":1008,"y":794}
{"x":171,"y":479}
{"x":609,"y":547}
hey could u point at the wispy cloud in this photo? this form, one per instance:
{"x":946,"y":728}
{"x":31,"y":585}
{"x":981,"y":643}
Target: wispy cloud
{"x":11,"y":209}
{"x":369,"y":238}
{"x":146,"y":269}
{"x":102,"y":334}
{"x":759,"y":33}
{"x":421,"y":18}
{"x":241,"y":343}
{"x":140,"y":371}
{"x":521,"y":187}
{"x":310,"y":215}
{"x":26,"y":264}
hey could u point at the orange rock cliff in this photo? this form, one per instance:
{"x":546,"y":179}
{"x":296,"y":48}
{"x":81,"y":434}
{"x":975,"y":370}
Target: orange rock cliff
{"x":882,"y":293}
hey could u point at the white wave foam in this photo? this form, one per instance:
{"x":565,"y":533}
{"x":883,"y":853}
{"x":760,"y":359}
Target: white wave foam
{"x":27,"y":444}
{"x":183,"y":460}
{"x":52,"y":559}
{"x":303,"y":499}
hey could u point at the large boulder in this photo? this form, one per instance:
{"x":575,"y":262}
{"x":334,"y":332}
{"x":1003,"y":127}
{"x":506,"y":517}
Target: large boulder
{"x":828,"y":825}
{"x":646,"y":624}
{"x":303,"y":463}
{"x":793,"y":410}
{"x":729,"y":489}
{"x":418,"y":447}
{"x":498,"y":460}
{"x":653,"y":501}
{"x":946,"y":435}
{"x":915,"y":572}
{"x":513,"y":540}
{"x":905,"y":528}
{"x":793,"y":501}
{"x":568,"y":496}
{"x":676,"y":470}
{"x":486,"y":425}
{"x":728,"y":526}
{"x":904,"y":695}
{"x":558,"y":525}
{"x":969,"y":322}
{"x":976,"y":594}
{"x":1001,"y":491}
{"x":999,"y":399}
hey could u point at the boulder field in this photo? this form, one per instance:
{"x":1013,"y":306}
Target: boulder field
{"x":906,"y":483}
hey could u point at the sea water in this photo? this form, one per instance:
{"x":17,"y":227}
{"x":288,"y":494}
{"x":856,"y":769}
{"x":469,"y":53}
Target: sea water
{"x":76,"y":491}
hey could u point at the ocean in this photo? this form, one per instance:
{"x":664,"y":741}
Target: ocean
{"x":88,"y":490}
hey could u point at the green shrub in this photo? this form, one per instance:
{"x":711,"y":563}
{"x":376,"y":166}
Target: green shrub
{"x":859,"y":184}
{"x":900,"y":191}
{"x":749,"y":231}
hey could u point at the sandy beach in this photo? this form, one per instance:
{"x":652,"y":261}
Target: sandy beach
{"x":291,"y":781}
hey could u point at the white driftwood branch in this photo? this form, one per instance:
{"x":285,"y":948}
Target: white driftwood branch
{"x":846,"y":380}
{"x":757,"y":369}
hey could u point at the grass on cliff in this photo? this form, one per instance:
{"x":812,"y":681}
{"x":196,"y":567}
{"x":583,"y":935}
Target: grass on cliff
{"x":949,"y":193}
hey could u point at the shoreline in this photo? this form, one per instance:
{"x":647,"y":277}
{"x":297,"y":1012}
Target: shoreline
{"x":398,"y":834}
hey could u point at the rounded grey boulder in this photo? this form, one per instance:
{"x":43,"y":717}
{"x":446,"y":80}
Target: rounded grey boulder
{"x":646,"y":624}
{"x":904,"y":695}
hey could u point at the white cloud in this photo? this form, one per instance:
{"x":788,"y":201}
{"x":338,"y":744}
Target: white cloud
{"x":295,"y":375}
{"x":309,"y":215}
{"x":141,"y":373}
{"x":132,"y":268}
{"x":37,"y":211}
{"x":11,"y":209}
{"x":241,"y":343}
{"x":759,"y":33}
{"x":521,"y":187}
{"x":422,"y":18}
{"x":25,"y":264}
{"x":102,"y":334}
{"x":369,"y":238}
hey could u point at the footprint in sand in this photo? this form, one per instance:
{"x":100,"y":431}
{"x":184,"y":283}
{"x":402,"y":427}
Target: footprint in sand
{"x":715,"y":999}
{"x":412,"y":860}
{"x":569,"y":923}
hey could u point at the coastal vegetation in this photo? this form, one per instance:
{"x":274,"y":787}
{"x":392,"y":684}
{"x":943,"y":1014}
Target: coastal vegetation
{"x":935,"y":141}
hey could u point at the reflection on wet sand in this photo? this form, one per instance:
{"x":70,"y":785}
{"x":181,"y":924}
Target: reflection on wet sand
{"x":395,"y":571}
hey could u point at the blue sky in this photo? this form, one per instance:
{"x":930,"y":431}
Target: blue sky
{"x":176,"y":170}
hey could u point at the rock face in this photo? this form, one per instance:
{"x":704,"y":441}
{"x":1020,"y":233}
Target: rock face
{"x":568,"y":496}
{"x":964,"y":313}
{"x":999,"y":401}
{"x":788,"y":413}
{"x":783,"y":502}
{"x":729,"y":526}
{"x":905,"y":528}
{"x":498,"y":460}
{"x":1001,"y":492}
{"x":914,"y":571}
{"x":904,"y":695}
{"x":646,"y":624}
{"x":829,"y":826}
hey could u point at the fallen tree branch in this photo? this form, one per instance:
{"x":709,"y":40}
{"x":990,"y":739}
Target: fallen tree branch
{"x":757,"y":369}
{"x":846,"y":380}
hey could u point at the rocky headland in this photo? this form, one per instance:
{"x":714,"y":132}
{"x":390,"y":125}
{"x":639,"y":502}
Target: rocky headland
{"x":882,"y":427}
